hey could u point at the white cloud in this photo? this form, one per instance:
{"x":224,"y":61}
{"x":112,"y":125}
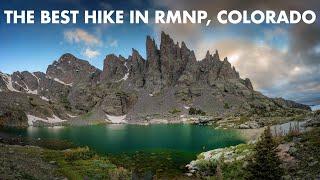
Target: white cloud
{"x":264,"y":65}
{"x":89,"y":53}
{"x":79,"y":35}
{"x":113,"y":43}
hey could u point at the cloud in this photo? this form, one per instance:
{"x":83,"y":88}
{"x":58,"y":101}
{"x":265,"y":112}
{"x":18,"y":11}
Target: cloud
{"x":81,"y":36}
{"x":280,"y":60}
{"x":261,"y":63}
{"x":113,"y":43}
{"x":89,"y":53}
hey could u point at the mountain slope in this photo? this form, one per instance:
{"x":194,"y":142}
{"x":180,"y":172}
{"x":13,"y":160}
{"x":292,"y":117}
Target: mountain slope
{"x":164,"y":86}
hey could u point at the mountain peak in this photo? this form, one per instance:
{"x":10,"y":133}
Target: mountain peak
{"x":70,"y":70}
{"x":216,"y":55}
{"x":170,"y":78}
{"x":166,"y":40}
{"x":208,"y":55}
{"x":67,"y":57}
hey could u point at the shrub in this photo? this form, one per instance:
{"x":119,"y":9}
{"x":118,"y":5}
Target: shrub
{"x":194,"y":111}
{"x":244,"y":118}
{"x":207,"y":168}
{"x":175,"y":111}
{"x":200,"y":156}
{"x":120,"y":173}
{"x":78,"y":153}
{"x":226,"y":106}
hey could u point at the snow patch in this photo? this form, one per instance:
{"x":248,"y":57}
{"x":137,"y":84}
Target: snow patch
{"x":32,"y":91}
{"x":44,"y":98}
{"x":51,"y":120}
{"x":117,"y":119}
{"x":126,"y":76}
{"x":28,"y":90}
{"x":72,"y":116}
{"x":36,"y":78}
{"x":8,"y":81}
{"x":186,"y":107}
{"x":61,"y":82}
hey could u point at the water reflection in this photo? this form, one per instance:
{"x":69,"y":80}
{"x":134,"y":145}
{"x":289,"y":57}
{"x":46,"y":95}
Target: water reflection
{"x":128,"y":138}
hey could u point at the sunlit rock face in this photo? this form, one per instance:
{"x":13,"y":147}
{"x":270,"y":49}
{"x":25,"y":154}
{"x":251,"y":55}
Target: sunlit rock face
{"x":160,"y":86}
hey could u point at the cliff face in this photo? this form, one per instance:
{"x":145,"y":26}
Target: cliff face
{"x":170,"y":78}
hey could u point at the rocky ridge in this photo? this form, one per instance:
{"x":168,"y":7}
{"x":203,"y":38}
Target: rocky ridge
{"x":165,"y":85}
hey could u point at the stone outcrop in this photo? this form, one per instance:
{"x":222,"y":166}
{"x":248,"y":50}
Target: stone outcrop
{"x":136,"y":69}
{"x":153,"y":66}
{"x":114,"y":69}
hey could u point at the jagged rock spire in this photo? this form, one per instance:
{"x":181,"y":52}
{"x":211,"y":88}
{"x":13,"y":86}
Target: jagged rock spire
{"x":216,"y":55}
{"x":165,"y":66}
{"x":208,"y":55}
{"x":114,"y":68}
{"x":136,"y":68}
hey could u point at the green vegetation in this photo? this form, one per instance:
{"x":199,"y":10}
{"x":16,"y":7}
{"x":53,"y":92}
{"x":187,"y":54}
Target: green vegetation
{"x":226,"y":163}
{"x":208,"y":168}
{"x":155,"y":163}
{"x":233,"y":170}
{"x":300,"y":157}
{"x":78,"y":153}
{"x":306,"y":151}
{"x":243,"y":119}
{"x":194,"y":111}
{"x":55,"y":159}
{"x":226,"y":106}
{"x":82,"y":163}
{"x":174,"y":111}
{"x":87,"y":115}
{"x":265,"y":163}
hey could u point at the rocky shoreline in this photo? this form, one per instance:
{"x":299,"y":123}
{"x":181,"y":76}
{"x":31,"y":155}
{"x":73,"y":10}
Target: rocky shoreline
{"x":229,"y":155}
{"x":290,"y":136}
{"x":217,"y":122}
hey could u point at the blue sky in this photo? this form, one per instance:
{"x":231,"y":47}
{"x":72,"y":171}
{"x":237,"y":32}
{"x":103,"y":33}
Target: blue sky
{"x":34,"y":47}
{"x":281,"y":60}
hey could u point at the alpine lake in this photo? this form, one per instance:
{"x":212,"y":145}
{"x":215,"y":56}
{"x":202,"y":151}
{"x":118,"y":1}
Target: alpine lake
{"x":144,"y":149}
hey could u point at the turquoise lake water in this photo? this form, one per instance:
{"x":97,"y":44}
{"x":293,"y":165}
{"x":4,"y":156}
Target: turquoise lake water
{"x":162,"y":150}
{"x":130,"y":138}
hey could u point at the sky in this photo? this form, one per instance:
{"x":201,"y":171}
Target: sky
{"x":281,"y":60}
